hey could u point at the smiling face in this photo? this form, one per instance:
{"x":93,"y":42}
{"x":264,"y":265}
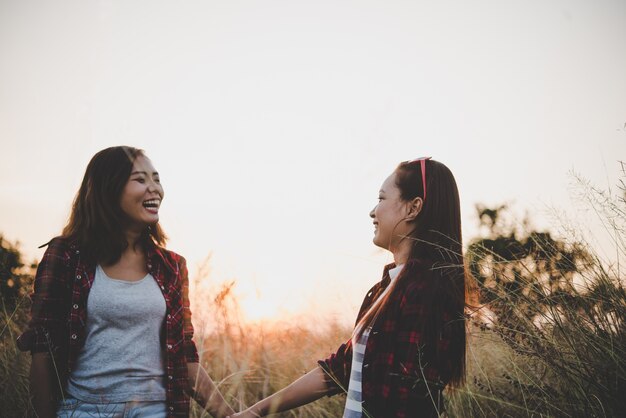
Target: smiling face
{"x":389,"y":216}
{"x":142,"y":195}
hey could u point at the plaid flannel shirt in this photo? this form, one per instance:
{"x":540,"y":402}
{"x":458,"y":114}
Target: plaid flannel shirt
{"x":59,"y":314}
{"x":400,"y":378}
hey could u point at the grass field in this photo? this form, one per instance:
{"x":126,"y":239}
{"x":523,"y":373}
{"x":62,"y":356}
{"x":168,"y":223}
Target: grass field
{"x":569,"y":368}
{"x":556,"y":348}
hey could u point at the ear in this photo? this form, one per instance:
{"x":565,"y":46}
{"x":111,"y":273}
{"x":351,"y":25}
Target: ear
{"x":414,"y":207}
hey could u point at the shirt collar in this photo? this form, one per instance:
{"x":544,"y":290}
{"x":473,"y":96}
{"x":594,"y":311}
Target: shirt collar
{"x":155,"y":253}
{"x":395,"y":271}
{"x":392,"y":271}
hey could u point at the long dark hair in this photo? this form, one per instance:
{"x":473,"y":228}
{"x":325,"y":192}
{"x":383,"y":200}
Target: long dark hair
{"x":97,"y":221}
{"x":436,"y":243}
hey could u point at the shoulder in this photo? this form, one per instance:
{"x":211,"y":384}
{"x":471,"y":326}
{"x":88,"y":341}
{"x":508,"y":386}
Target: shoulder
{"x":61,"y":247}
{"x":58,"y":262}
{"x":373,"y":290}
{"x":415,"y":283}
{"x":169,"y":254}
{"x":170,"y":259}
{"x":58,"y":242}
{"x":416,"y":274}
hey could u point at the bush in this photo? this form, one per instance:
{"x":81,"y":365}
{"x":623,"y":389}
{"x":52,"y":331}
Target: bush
{"x":550,"y":338}
{"x":15,"y":281}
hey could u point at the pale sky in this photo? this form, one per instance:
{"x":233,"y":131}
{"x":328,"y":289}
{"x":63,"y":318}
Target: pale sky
{"x":273,"y":123}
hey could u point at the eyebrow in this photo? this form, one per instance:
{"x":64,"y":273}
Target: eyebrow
{"x":143,"y":172}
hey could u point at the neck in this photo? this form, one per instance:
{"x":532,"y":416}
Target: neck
{"x":401,"y":253}
{"x":132,"y":237}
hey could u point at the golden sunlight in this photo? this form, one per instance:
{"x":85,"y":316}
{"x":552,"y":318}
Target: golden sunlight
{"x":256,"y":308}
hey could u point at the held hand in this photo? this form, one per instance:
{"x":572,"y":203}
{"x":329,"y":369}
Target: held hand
{"x":248,"y":413}
{"x":306,"y":389}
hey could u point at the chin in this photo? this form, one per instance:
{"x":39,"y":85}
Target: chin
{"x":150,"y":223}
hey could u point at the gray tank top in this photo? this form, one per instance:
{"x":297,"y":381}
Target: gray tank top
{"x":122,"y":359}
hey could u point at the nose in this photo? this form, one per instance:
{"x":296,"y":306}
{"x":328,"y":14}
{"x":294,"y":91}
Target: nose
{"x":154,"y":186}
{"x":372,"y":213}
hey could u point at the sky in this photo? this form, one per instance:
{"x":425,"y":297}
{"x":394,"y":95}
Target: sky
{"x":273,"y":123}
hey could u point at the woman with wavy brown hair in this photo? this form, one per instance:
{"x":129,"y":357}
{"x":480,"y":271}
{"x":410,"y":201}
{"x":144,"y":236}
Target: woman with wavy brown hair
{"x":409,"y":339}
{"x":111,"y":333}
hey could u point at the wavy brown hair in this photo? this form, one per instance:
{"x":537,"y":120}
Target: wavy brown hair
{"x":97,"y":220}
{"x":437,"y":244}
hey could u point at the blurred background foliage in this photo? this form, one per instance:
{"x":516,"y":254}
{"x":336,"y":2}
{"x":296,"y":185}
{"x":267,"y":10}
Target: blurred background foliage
{"x":547,"y":327}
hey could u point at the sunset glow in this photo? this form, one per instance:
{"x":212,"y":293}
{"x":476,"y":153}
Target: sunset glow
{"x":273,"y":124}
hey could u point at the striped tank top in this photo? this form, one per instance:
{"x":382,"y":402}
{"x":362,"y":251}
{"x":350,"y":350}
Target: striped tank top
{"x":354,"y":401}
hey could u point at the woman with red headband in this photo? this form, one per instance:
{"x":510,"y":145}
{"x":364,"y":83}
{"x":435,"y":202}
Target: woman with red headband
{"x":409,"y":339}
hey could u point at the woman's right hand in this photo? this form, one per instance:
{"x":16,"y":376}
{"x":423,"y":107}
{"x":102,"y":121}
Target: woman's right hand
{"x":41,"y":387}
{"x":306,"y":389}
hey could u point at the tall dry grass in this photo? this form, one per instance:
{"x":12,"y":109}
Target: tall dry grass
{"x":246,"y":361}
{"x":251,"y":361}
{"x":14,"y":365}
{"x":547,"y":351}
{"x":570,"y":366}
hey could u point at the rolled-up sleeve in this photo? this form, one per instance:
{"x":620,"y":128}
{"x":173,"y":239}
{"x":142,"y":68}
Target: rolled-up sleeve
{"x":337,"y":369}
{"x":50,"y":302}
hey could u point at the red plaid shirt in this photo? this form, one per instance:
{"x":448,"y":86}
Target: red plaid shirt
{"x":400,"y":377}
{"x":59,"y":314}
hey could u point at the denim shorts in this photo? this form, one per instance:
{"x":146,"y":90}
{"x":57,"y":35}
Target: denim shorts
{"x":73,"y":408}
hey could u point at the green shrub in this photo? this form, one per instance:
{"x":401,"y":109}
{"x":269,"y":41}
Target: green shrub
{"x":550,"y":337}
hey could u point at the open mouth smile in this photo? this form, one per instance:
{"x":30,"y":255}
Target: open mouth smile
{"x":152,"y":205}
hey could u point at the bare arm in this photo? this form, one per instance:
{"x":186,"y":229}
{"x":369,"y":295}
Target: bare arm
{"x":42,"y":385}
{"x":206,"y":393}
{"x":306,"y":389}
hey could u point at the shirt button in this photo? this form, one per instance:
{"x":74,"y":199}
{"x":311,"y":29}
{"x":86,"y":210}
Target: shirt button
{"x":162,"y":287}
{"x":78,"y":276}
{"x":170,"y":377}
{"x":169,"y":346}
{"x":77,"y":251}
{"x":171,"y":408}
{"x":74,"y":336}
{"x":75,"y":306}
{"x":169,"y":316}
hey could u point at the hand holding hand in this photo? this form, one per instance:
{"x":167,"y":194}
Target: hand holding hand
{"x":248,"y":413}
